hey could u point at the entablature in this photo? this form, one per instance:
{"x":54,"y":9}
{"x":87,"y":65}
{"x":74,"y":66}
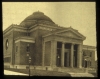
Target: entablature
{"x":25,"y":39}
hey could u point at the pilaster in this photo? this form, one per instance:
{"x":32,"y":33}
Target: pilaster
{"x":53,"y":52}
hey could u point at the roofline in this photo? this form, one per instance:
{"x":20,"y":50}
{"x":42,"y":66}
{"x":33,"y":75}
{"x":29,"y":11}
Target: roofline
{"x":13,"y":26}
{"x":63,"y":31}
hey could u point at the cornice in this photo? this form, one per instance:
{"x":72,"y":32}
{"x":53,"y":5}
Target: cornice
{"x":88,"y":46}
{"x":68,"y":36}
{"x":14,"y":28}
{"x":7,"y":29}
{"x":24,"y":39}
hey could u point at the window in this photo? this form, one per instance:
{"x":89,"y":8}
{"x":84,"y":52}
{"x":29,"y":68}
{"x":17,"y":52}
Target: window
{"x":84,"y":53}
{"x":16,"y":48}
{"x":27,"y":49}
{"x":90,"y":54}
{"x":90,"y":63}
{"x":7,"y":44}
{"x":7,"y":59}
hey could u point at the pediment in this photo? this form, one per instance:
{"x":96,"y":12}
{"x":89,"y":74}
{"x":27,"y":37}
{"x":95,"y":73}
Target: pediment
{"x":67,"y":32}
{"x":71,"y":33}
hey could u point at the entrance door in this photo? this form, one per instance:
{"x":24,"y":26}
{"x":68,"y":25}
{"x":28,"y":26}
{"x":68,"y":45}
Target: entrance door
{"x":86,"y":64}
{"x":65,"y":59}
{"x":58,"y":58}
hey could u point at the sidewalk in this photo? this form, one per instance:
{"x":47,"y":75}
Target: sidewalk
{"x":7,"y":72}
{"x":81,"y":75}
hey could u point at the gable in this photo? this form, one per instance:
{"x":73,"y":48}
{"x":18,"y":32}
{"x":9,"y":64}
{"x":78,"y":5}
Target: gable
{"x":69,"y":34}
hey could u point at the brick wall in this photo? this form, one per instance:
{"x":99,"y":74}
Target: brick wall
{"x":17,"y":53}
{"x":23,"y":53}
{"x":92,"y":57}
{"x":8,"y":52}
{"x":19,"y":34}
{"x":37,"y":35}
{"x":47,"y":54}
{"x":34,"y":34}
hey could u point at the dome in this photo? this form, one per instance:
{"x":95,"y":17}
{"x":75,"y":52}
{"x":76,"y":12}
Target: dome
{"x":36,"y":16}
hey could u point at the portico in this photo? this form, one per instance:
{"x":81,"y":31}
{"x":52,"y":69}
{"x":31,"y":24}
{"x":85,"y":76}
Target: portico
{"x":65,"y":51}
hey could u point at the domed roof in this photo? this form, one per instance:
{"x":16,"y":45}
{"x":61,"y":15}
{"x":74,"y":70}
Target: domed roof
{"x":36,"y":16}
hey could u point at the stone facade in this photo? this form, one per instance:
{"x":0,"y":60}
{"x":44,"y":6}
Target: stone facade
{"x":50,"y":46}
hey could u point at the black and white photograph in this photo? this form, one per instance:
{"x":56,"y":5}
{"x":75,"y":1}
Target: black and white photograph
{"x":49,"y":39}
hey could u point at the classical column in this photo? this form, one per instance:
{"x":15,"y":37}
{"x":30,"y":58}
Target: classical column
{"x":53,"y":52}
{"x":79,"y":56}
{"x":62,"y":55}
{"x":71,"y":58}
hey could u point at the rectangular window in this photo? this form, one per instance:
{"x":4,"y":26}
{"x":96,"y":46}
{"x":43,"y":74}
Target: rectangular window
{"x":7,"y":59}
{"x":27,"y":49}
{"x":16,"y":48}
{"x":84,"y":53}
{"x":90,"y":63}
{"x":90,"y":54}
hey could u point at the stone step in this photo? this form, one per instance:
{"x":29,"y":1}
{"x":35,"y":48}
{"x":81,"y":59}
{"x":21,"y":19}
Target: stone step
{"x":81,"y":75}
{"x":74,"y":70}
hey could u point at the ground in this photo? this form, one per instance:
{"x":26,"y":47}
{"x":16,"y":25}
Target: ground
{"x":40,"y":72}
{"x":45,"y":73}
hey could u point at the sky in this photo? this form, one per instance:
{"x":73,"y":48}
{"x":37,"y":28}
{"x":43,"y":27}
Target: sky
{"x":78,"y":15}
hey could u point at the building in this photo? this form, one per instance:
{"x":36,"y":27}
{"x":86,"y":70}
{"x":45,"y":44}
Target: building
{"x":49,"y":45}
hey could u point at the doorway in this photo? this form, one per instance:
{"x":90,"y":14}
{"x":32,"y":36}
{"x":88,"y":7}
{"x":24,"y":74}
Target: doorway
{"x":66,"y":59}
{"x":85,"y":64}
{"x":58,"y":54}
